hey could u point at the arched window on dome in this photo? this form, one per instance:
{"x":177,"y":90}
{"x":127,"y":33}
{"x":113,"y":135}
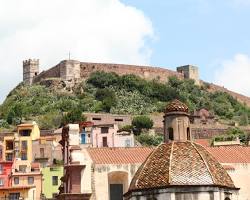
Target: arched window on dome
{"x":188,"y":133}
{"x":170,"y":133}
{"x":227,"y":198}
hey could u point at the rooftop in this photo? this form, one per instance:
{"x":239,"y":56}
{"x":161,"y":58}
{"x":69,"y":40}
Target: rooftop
{"x":119,"y":155}
{"x":178,"y":164}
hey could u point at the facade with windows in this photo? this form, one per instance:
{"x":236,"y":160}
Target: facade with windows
{"x":108,"y":135}
{"x":51,"y":180}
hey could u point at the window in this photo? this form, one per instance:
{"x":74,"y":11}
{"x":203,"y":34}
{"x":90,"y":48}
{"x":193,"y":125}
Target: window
{"x":9,"y":157}
{"x":104,"y":142}
{"x":23,"y":156}
{"x":14,"y":196}
{"x":9,"y":145}
{"x":119,"y":120}
{"x":170,"y":133}
{"x":96,"y":119}
{"x":54,"y":195}
{"x":188,"y":134}
{"x":1,"y":169}
{"x":54,"y":180}
{"x":104,"y":129}
{"x":24,"y":145}
{"x":16,"y":180}
{"x":25,"y":132}
{"x":41,"y":152}
{"x":22,"y":168}
{"x":127,"y":143}
{"x":30,"y":180}
{"x":1,"y":182}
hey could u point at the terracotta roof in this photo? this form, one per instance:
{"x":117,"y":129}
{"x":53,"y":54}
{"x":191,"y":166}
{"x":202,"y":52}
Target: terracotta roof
{"x":178,"y":164}
{"x":119,"y":155}
{"x":231,"y":154}
{"x":176,"y":106}
{"x":203,"y":142}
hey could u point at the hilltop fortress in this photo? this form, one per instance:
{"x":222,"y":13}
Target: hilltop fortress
{"x":73,"y":71}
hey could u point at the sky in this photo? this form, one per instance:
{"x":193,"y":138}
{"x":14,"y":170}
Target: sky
{"x":211,"y":34}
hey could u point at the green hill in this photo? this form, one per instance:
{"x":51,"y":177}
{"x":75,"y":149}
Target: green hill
{"x":107,"y":92}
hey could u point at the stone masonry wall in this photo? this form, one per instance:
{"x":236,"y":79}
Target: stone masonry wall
{"x":146,"y":72}
{"x":239,"y":97}
{"x":53,"y":72}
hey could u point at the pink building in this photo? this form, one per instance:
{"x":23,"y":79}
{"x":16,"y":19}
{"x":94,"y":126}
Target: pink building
{"x":108,"y":135}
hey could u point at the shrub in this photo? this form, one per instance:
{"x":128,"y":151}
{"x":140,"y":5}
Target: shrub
{"x":142,"y":122}
{"x":149,"y":140}
{"x":73,"y":116}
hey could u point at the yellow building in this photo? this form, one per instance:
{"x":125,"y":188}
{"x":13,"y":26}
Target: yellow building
{"x":19,"y":192}
{"x":20,"y":144}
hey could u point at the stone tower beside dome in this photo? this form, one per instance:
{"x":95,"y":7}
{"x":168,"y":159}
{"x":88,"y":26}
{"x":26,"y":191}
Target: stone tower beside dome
{"x":180,"y":169}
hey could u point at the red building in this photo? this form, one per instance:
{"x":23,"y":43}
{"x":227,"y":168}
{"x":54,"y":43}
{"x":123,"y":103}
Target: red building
{"x":5,"y":172}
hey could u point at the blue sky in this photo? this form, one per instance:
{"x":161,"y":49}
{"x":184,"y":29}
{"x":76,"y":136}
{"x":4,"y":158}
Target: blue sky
{"x":212,"y":34}
{"x":199,"y":32}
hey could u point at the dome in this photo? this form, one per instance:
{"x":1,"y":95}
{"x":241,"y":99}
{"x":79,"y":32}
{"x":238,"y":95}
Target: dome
{"x":180,"y":164}
{"x":176,"y":106}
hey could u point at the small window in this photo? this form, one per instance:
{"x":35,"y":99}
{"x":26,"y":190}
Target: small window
{"x":96,"y":119}
{"x":104,"y":129}
{"x":104,"y":142}
{"x":41,"y":152}
{"x":170,"y":133}
{"x":22,"y":168}
{"x":119,"y":120}
{"x":54,"y":180}
{"x":16,"y":180}
{"x":1,"y":169}
{"x":54,"y":195}
{"x":127,"y":143}
{"x":1,"y":182}
{"x":24,"y":156}
{"x":14,"y":196}
{"x":24,"y":145}
{"x":30,"y":180}
{"x":26,"y":132}
{"x":188,"y":134}
{"x":9,"y":157}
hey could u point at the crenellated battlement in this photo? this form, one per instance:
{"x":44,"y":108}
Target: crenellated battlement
{"x":31,"y":61}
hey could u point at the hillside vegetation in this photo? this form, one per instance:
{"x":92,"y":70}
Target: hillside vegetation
{"x":108,"y":92}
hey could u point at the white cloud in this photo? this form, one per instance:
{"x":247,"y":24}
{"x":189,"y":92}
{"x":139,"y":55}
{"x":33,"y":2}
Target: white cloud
{"x":234,"y":74}
{"x":92,"y":30}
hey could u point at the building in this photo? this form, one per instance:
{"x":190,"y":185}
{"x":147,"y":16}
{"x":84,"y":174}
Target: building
{"x":108,"y":135}
{"x":5,"y":171}
{"x":179,"y":168}
{"x":46,"y":150}
{"x":96,"y":173}
{"x":27,"y":179}
{"x":51,"y":180}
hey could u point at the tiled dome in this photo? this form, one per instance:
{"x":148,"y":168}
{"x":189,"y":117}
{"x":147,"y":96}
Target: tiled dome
{"x":180,"y":164}
{"x":176,"y":106}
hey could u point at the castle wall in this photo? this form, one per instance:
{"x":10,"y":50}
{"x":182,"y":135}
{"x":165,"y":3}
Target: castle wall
{"x":241,"y":98}
{"x":149,"y":73}
{"x":53,"y":72}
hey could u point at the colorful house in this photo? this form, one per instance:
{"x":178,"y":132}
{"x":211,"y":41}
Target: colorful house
{"x":108,"y":135}
{"x":5,"y":171}
{"x":51,"y":180}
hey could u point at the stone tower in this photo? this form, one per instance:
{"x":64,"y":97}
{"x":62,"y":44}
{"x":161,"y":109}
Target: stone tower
{"x":190,"y":72}
{"x":30,"y":70}
{"x":176,"y":122}
{"x":70,"y":71}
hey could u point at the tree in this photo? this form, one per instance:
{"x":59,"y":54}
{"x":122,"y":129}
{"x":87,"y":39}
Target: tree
{"x":142,"y":122}
{"x":73,"y":116}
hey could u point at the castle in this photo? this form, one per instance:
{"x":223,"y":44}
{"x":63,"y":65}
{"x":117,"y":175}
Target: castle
{"x":73,"y":71}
